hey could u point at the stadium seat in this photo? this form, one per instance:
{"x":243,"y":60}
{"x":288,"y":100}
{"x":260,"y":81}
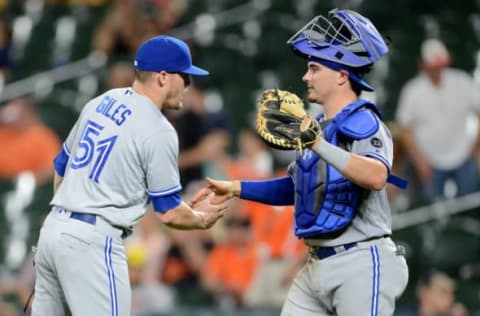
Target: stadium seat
{"x":456,"y":244}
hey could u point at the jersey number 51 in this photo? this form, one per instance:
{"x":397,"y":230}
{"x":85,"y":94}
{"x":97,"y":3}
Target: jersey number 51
{"x":88,"y":145}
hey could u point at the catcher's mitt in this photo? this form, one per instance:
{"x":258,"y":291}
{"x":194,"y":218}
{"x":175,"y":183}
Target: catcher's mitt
{"x":283,"y":122}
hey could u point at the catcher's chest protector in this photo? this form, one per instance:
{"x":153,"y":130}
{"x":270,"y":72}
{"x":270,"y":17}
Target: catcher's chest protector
{"x":325,"y":201}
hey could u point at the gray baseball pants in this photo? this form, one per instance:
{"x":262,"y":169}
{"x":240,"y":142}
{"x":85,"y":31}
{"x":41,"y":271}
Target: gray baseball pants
{"x":81,"y":269}
{"x":362,"y":281}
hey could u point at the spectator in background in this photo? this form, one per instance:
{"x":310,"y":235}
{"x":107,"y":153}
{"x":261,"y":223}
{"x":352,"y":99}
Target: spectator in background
{"x":5,"y":48}
{"x":437,"y":117}
{"x":436,"y":296}
{"x":233,"y":262}
{"x":203,"y":135}
{"x":128,"y":23}
{"x":254,"y":159}
{"x":120,"y":75}
{"x":168,"y":13}
{"x":147,"y":297}
{"x":281,"y":256}
{"x":203,"y":142}
{"x":280,"y":253}
{"x":255,"y":162}
{"x":19,"y":288}
{"x":184,"y":261}
{"x":93,"y":3}
{"x":117,"y":35}
{"x":155,"y":241}
{"x":27,"y":143}
{"x":160,"y":16}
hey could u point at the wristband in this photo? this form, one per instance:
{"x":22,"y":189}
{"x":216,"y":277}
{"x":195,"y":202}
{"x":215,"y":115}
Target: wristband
{"x":333,"y":155}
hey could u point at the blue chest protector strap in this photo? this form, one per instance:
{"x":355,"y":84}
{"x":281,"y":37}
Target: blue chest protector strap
{"x":397,"y":181}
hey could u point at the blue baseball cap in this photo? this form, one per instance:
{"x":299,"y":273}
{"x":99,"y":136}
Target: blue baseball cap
{"x":166,"y":53}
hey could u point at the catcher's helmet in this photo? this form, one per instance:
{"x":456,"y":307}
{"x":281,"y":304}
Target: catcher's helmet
{"x":346,"y":38}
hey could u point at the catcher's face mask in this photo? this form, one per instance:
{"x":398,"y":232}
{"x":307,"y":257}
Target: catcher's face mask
{"x":345,"y":37}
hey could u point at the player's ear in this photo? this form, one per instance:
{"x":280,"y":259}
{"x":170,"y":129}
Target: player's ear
{"x":342,"y":77}
{"x":161,"y":78}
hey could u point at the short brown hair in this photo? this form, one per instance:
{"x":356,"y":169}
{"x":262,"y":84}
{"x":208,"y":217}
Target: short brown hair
{"x":143,"y":76}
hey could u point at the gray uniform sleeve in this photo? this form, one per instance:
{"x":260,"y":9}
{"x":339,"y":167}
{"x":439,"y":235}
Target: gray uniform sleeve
{"x":69,"y":142}
{"x":378,"y":146}
{"x":161,"y":164}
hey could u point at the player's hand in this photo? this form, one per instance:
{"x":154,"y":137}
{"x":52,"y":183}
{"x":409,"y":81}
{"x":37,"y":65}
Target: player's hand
{"x":211,"y":212}
{"x":199,"y":196}
{"x":224,"y":191}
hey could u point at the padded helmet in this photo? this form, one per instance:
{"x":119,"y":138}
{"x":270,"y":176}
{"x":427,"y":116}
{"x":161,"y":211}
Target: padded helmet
{"x":346,"y":38}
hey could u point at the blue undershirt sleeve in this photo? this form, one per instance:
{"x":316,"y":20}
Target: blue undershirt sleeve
{"x":61,"y":160}
{"x":277,"y":191}
{"x":166,"y":202}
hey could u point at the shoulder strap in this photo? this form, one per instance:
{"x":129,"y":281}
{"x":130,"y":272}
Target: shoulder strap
{"x":397,"y":181}
{"x":360,"y":125}
{"x":357,"y":120}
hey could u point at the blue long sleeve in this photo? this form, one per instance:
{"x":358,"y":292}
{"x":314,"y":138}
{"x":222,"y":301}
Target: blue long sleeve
{"x":276,"y":191}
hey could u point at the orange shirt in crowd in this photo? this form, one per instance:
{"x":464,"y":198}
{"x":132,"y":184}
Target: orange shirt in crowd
{"x":30,"y":150}
{"x":223,"y":265}
{"x":281,"y":238}
{"x":273,"y":226}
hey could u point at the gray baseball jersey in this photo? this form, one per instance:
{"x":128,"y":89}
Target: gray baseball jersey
{"x":373,"y":216}
{"x":122,"y":150}
{"x":364,"y":279}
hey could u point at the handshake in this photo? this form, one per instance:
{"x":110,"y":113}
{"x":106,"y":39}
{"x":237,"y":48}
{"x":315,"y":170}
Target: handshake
{"x":284,"y":124}
{"x":209,"y":202}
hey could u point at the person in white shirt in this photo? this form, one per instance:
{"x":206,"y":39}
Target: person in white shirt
{"x":438,"y":118}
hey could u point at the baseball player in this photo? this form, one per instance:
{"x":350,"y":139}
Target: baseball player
{"x":121,"y":154}
{"x":338,"y":184}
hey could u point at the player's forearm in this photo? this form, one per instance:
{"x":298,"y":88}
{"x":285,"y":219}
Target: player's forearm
{"x":183,"y":217}
{"x":276,"y":191}
{"x":366,"y":172}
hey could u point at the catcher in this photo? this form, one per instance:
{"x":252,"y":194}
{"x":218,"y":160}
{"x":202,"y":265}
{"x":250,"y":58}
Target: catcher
{"x":337,"y":181}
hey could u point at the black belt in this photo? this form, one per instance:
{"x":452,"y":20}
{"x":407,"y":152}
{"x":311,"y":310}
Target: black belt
{"x":325,"y":252}
{"x":92,"y":219}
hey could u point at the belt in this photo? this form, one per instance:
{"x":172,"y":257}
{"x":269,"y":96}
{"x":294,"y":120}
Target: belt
{"x":92,"y":219}
{"x":325,"y":252}
{"x":85,"y":217}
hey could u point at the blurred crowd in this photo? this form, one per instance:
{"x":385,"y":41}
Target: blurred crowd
{"x":249,"y":259}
